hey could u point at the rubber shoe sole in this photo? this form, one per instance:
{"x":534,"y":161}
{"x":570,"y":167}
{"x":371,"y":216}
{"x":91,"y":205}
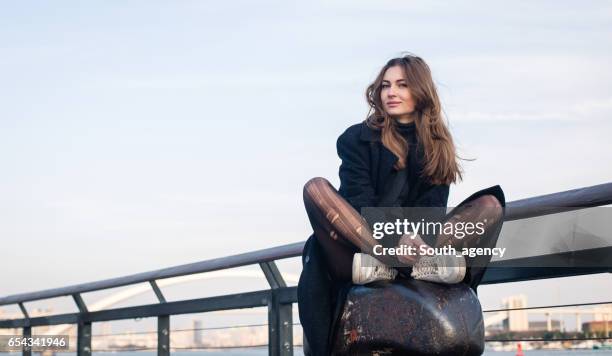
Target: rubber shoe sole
{"x":367,"y":269}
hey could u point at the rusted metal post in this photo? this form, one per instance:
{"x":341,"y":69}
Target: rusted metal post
{"x":163,"y":335}
{"x":280,"y":326}
{"x":83,"y":338}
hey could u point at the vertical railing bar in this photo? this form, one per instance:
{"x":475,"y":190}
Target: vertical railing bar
{"x":83,"y":328}
{"x":273,"y":324}
{"x":285,"y":322}
{"x":280,"y":326}
{"x":157,"y":291}
{"x":27,"y":332}
{"x":83,"y":338}
{"x":163,"y":335}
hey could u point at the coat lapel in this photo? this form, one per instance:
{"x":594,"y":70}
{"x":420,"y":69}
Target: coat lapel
{"x":386,"y":158}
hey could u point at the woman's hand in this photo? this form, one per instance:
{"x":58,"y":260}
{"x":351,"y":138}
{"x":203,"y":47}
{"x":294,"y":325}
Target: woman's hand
{"x":411,"y":240}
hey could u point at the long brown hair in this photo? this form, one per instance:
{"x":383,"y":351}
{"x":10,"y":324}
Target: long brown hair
{"x":441,"y":160}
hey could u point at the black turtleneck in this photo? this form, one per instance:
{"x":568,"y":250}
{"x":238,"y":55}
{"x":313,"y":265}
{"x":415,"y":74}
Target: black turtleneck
{"x":408,"y":132}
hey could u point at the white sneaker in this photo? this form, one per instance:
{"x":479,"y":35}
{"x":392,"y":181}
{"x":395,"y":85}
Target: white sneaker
{"x":368,"y":269}
{"x":446,"y":269}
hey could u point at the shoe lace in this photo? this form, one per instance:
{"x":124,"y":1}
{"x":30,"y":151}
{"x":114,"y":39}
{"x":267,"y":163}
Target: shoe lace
{"x":427,"y":267}
{"x":385,"y":272}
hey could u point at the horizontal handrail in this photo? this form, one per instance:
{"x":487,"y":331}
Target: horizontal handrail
{"x":254,"y":299}
{"x":596,"y":195}
{"x":536,"y":206}
{"x":243,"y":259}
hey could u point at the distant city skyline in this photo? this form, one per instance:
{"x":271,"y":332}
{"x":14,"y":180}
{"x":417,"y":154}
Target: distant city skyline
{"x":194,"y":332}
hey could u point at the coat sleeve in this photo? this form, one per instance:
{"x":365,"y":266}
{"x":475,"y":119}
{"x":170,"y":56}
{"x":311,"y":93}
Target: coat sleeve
{"x":355,"y":184}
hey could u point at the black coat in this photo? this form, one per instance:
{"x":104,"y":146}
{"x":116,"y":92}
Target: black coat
{"x":365,"y":173}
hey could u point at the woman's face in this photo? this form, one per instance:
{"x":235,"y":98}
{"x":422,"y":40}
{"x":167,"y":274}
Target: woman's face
{"x":395,"y":95}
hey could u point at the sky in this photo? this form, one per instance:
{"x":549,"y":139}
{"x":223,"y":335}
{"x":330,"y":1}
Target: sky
{"x":141,"y":135}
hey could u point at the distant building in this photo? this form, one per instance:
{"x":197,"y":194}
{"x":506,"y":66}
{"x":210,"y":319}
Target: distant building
{"x":197,"y":332}
{"x":555,"y":325}
{"x":602,"y":313}
{"x":597,"y":327}
{"x":517,"y":320}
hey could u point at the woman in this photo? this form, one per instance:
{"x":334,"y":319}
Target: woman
{"x":401,"y":155}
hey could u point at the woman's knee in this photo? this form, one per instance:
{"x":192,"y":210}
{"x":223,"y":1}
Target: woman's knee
{"x":314,"y":185}
{"x":492,"y":207}
{"x":489,"y":201}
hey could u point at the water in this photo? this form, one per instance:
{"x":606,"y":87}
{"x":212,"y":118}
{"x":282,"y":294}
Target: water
{"x":298,"y":352}
{"x":262,"y":352}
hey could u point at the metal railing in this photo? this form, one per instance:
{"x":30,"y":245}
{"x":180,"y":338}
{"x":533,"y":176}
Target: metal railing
{"x":279,"y":298}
